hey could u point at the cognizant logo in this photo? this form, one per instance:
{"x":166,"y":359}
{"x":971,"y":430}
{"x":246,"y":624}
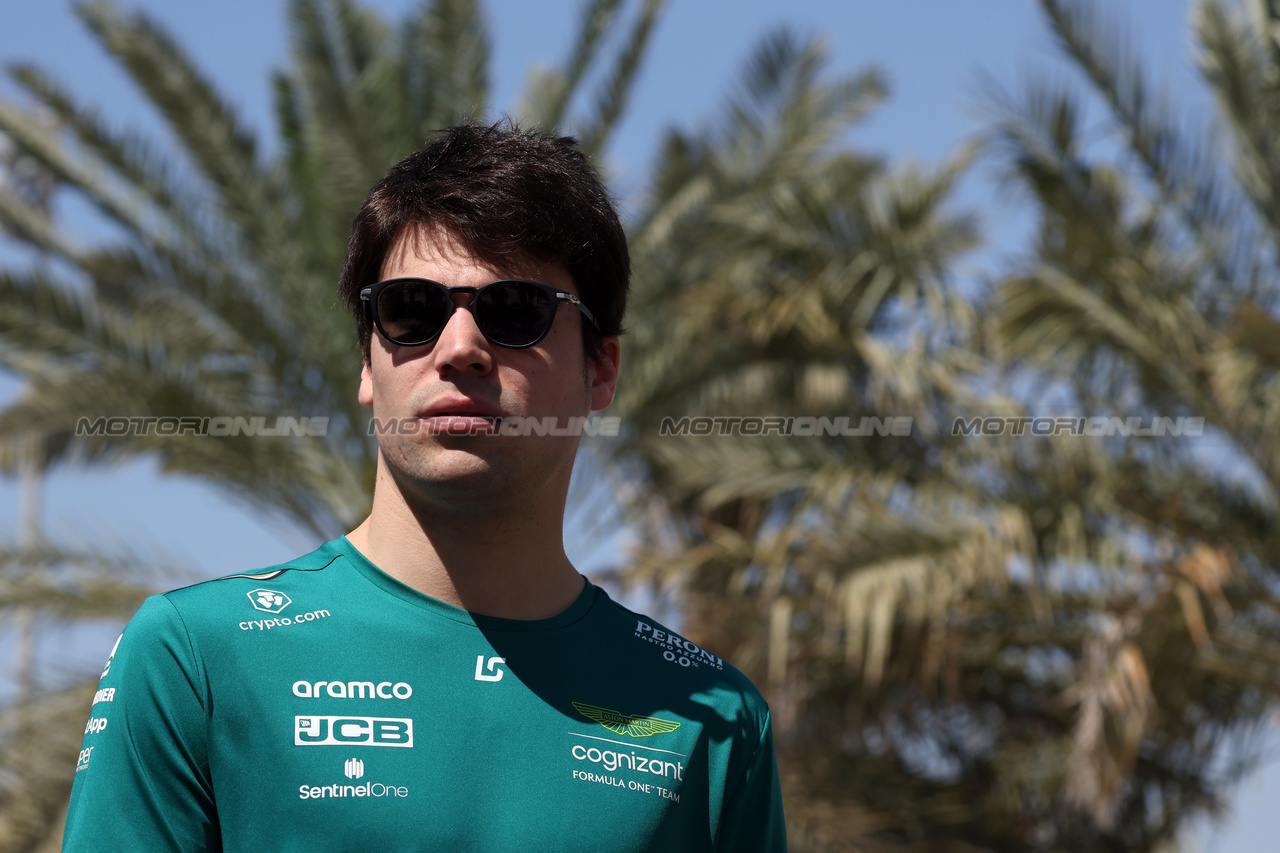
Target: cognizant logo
{"x":352,"y":690}
{"x":611,"y":760}
{"x":268,"y":624}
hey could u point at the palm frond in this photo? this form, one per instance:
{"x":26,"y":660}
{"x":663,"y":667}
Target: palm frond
{"x":40,"y":738}
{"x":1184,"y":168}
{"x":446,"y":58}
{"x":213,"y":136}
{"x":614,"y":91}
{"x":548,"y":92}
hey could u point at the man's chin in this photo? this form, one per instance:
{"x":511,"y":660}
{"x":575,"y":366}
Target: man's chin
{"x":455,"y":473}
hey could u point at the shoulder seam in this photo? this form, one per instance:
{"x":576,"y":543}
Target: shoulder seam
{"x":270,"y":574}
{"x":266,"y":576}
{"x":206,"y":694}
{"x":191,"y":649}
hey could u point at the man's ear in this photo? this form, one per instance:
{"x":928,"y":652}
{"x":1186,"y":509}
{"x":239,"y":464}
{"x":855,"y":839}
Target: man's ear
{"x":602,"y":376}
{"x":365,"y":394}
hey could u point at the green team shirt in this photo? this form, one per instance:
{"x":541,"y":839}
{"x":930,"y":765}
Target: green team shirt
{"x":324,"y":705}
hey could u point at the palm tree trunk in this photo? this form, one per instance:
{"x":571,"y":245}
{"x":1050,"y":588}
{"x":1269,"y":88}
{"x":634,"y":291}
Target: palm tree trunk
{"x":24,"y":622}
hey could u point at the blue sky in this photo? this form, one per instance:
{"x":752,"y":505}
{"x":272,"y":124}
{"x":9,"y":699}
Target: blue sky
{"x":932,"y":51}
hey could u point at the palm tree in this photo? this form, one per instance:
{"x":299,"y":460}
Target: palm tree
{"x":781,"y":274}
{"x":968,"y":642}
{"x":217,"y":299}
{"x":1152,"y":289}
{"x":975,"y":642}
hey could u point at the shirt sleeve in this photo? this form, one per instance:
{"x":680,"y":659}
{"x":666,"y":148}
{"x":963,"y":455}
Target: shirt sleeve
{"x":753,"y":821}
{"x":142,"y":779}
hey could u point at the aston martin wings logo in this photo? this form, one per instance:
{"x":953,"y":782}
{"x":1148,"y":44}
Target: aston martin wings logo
{"x":634,"y":725}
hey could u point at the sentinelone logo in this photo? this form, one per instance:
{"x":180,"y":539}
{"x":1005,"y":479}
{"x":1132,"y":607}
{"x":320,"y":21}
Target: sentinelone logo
{"x":352,"y":768}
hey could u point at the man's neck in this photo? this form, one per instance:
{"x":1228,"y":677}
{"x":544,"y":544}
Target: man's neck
{"x":506,"y":561}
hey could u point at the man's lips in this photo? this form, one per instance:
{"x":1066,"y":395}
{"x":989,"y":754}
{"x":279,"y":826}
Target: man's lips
{"x":460,"y":424}
{"x":458,"y":407}
{"x":459,"y":416}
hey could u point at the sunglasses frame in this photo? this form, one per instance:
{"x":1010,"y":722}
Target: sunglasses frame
{"x":369,"y":295}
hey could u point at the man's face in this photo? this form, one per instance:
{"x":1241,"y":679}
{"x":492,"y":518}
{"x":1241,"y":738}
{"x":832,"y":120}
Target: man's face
{"x":461,"y":370}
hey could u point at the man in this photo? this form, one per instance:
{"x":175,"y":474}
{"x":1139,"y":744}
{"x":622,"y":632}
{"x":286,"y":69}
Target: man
{"x":441,"y":678}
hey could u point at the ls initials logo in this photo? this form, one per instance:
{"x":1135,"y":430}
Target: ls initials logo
{"x":492,"y":666}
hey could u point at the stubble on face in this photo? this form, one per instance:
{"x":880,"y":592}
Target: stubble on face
{"x":480,"y":472}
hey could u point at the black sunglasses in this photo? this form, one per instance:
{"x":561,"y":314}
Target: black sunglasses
{"x":412,"y":312}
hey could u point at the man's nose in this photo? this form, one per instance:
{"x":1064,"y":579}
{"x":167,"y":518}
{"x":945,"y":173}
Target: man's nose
{"x":461,"y":346}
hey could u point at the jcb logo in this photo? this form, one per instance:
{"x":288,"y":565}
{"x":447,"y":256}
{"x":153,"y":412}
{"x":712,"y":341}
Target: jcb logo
{"x":352,"y":731}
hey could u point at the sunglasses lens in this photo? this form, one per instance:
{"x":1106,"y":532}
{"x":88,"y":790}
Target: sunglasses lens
{"x":514,"y":313}
{"x":412,"y":312}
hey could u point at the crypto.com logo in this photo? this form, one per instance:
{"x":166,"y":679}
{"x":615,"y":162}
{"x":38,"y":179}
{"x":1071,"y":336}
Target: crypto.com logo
{"x":268,"y":600}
